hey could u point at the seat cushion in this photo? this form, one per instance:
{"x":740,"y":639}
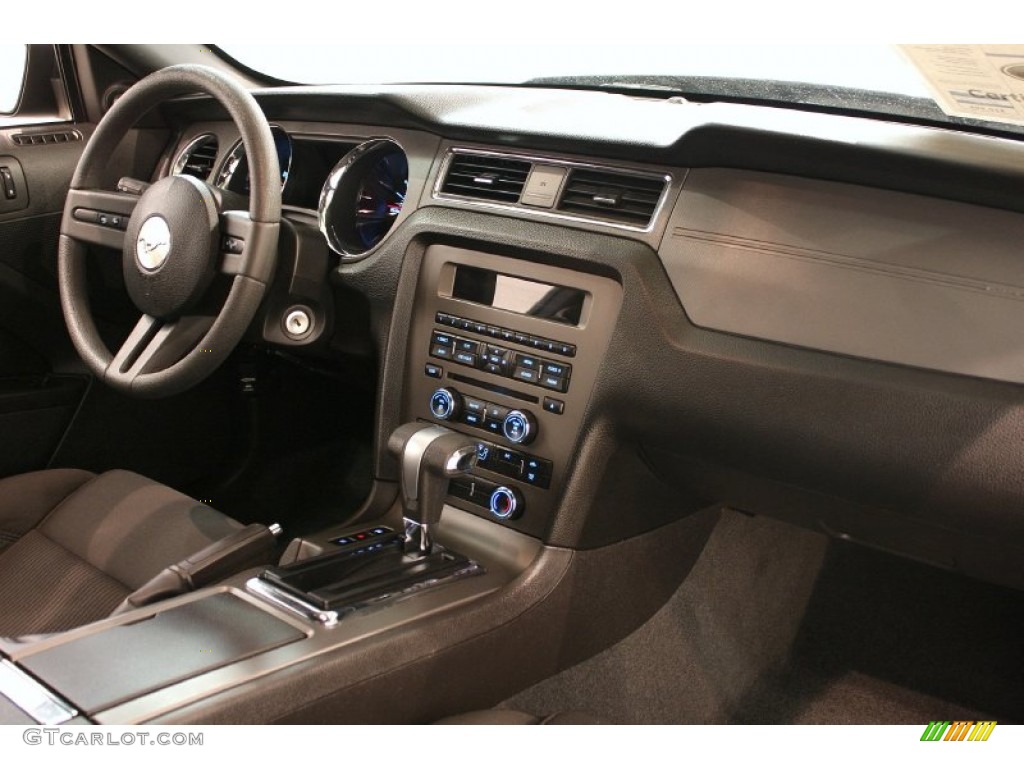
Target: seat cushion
{"x":103,"y":537}
{"x":45,"y":588}
{"x":27,"y":499}
{"x":131,"y":527}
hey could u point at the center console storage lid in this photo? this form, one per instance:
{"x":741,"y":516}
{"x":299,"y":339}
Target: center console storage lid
{"x":100,"y":670}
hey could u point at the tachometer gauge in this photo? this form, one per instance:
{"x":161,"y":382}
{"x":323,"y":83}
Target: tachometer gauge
{"x":363,"y":197}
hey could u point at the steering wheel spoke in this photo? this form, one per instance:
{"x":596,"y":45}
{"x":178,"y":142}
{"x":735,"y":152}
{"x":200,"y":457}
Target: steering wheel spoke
{"x":98,"y":217}
{"x":243,"y":246}
{"x":169,"y":238}
{"x":155,"y":344}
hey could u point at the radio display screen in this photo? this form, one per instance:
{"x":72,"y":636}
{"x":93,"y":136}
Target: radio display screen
{"x":514,"y":294}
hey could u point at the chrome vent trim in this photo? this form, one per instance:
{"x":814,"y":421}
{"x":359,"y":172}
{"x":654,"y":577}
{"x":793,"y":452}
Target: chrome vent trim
{"x":455,"y":153}
{"x":198,"y":158}
{"x":486,"y":177}
{"x":612,"y":196}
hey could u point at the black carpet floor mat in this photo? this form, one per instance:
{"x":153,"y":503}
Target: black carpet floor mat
{"x":776,"y":625}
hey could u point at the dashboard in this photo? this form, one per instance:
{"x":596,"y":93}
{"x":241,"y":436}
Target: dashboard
{"x":803,"y":315}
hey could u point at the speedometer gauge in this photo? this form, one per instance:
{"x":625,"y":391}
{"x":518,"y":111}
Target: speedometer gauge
{"x":363,"y":196}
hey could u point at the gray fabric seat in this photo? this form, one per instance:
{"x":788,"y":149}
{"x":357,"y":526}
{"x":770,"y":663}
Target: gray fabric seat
{"x":73,"y":544}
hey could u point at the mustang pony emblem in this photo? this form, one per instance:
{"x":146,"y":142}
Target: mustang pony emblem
{"x":153,"y":244}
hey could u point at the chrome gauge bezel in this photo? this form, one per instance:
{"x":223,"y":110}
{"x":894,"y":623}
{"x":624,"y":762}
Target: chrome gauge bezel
{"x":339,"y":179}
{"x":226,"y":171}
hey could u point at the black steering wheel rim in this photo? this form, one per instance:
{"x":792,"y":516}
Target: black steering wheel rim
{"x":166,"y":354}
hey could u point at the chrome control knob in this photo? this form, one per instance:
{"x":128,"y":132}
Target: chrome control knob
{"x":506,"y":503}
{"x":446,"y":404}
{"x":520,"y":427}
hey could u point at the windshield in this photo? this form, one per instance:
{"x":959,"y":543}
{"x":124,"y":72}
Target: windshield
{"x":866,"y":67}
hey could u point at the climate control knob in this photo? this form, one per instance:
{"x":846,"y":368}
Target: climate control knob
{"x":446,"y":404}
{"x":520,"y":427}
{"x":506,"y":503}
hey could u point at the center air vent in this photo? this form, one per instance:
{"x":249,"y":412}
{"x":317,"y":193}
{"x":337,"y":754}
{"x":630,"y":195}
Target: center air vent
{"x":486,"y":178}
{"x":609,"y":196}
{"x":198,"y":158}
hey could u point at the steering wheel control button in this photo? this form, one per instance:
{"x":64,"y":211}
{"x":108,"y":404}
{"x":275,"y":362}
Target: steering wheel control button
{"x":553,"y":405}
{"x":519,"y":427}
{"x":298,"y":322}
{"x":233,"y":245}
{"x":446,"y":404}
{"x":506,"y":503}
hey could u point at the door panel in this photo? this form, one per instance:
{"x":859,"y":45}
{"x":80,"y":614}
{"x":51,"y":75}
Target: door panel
{"x":36,"y":405}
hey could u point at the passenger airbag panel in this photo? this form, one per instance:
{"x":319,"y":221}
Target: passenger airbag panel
{"x":870,"y":273}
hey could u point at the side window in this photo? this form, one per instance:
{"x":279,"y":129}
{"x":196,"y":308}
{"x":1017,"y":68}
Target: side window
{"x":13,"y":58}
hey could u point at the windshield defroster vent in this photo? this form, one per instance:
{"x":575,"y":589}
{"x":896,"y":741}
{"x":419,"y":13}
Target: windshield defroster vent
{"x":486,"y":177}
{"x":617,"y":197}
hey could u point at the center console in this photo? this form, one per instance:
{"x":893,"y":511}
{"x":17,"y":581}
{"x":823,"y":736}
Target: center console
{"x":501,"y":363}
{"x":507,"y":351}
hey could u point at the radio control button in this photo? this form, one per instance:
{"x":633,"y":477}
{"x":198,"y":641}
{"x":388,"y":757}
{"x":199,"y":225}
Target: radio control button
{"x":552,"y":405}
{"x":440,"y":350}
{"x":556,"y":383}
{"x":526,"y":374}
{"x":442,"y":338}
{"x":520,"y":427}
{"x":528,"y":361}
{"x":445,"y":404}
{"x":556,"y":369}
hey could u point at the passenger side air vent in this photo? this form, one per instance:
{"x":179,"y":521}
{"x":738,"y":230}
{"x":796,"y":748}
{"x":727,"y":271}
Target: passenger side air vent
{"x":611,"y":196}
{"x":198,"y":158}
{"x":486,"y":177}
{"x":52,"y":137}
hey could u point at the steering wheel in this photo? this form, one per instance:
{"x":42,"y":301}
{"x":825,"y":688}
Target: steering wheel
{"x":174,"y":238}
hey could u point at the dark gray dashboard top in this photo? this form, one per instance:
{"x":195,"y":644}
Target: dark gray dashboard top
{"x":941,"y":162}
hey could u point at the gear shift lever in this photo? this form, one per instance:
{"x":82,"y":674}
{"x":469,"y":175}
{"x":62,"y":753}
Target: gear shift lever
{"x":428,"y":455}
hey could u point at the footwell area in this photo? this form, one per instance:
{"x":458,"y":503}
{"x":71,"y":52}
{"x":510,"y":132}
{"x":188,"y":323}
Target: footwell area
{"x":780,"y":625}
